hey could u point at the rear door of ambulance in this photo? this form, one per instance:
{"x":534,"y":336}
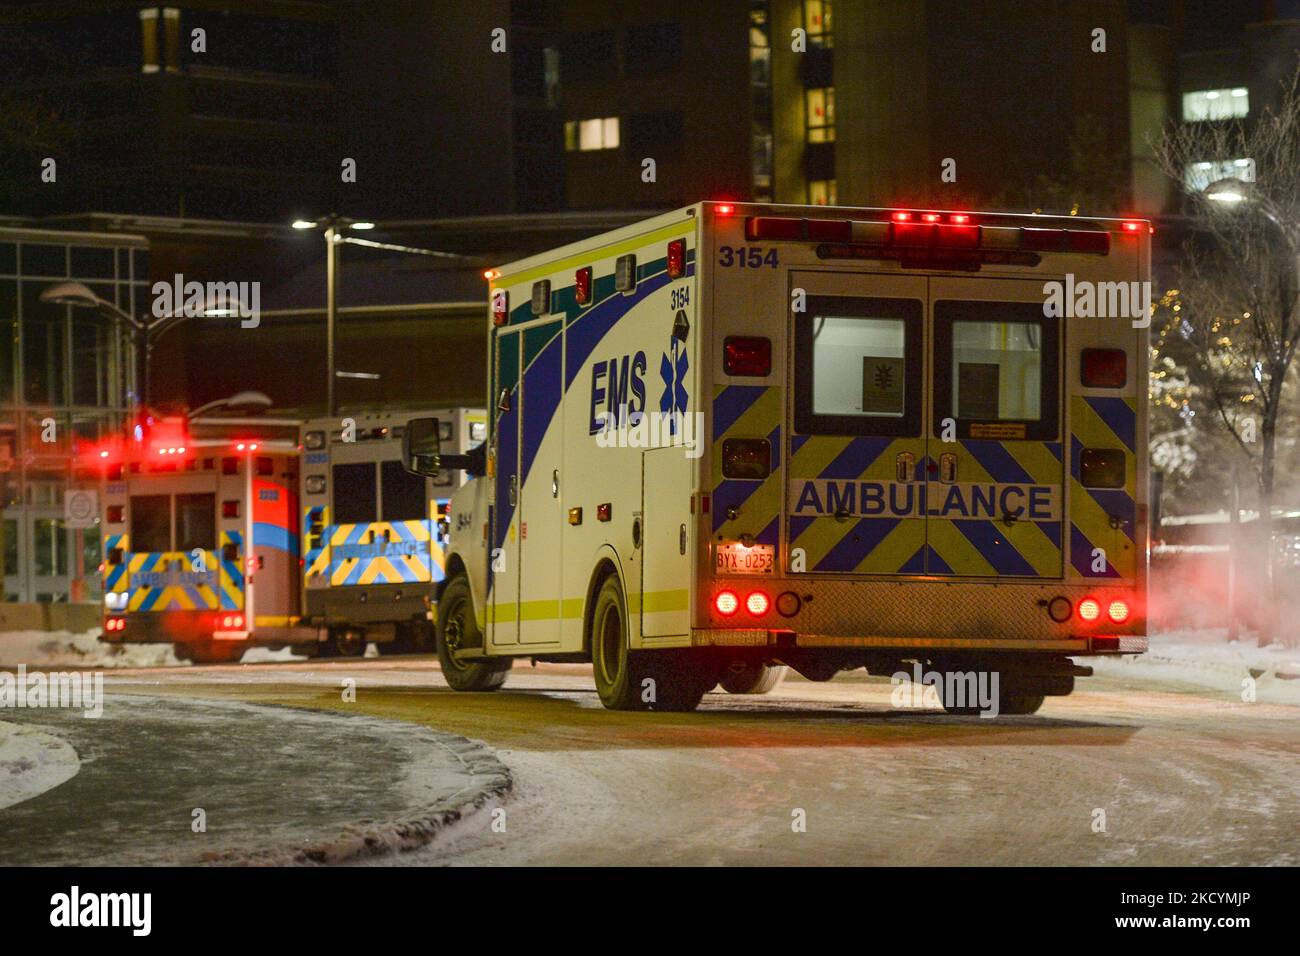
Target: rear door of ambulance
{"x":926,"y":427}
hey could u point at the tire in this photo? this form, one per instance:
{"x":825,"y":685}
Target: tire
{"x":1020,"y":704}
{"x":457,"y":629}
{"x":1009,"y":704}
{"x":622,"y":674}
{"x":349,"y":643}
{"x":753,"y":678}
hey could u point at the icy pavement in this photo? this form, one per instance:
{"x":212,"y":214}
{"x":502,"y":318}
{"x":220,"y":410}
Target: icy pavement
{"x":273,"y":784}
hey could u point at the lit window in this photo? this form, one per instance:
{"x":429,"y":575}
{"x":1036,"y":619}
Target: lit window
{"x":1199,"y":175}
{"x":817,"y":21}
{"x":820,"y":106}
{"x":1215,"y":104}
{"x":821,"y":192}
{"x":591,"y":134}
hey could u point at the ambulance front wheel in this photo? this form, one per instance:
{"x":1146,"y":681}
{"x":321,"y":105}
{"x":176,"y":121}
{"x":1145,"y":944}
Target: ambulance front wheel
{"x":458,"y":632}
{"x":750,"y":678}
{"x":639,"y":680}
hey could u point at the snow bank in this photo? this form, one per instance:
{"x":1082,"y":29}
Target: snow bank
{"x":32,"y":762}
{"x":1205,"y":658}
{"x":66,"y":649}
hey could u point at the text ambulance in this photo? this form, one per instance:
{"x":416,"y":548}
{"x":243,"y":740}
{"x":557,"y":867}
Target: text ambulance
{"x":735,"y":437}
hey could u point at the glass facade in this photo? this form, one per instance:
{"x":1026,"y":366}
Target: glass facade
{"x":66,"y":382}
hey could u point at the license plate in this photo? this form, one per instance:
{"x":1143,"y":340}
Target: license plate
{"x":738,"y":559}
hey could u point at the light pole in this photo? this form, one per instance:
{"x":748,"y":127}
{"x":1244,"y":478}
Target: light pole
{"x":335,"y":229}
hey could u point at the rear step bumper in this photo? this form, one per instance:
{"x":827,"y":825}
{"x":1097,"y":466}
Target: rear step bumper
{"x":739,"y":637}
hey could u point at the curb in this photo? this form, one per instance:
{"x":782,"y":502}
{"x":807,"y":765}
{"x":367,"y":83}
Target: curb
{"x":489,"y":781}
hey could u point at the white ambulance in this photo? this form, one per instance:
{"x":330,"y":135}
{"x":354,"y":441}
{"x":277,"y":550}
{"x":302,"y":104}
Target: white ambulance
{"x":371,"y":532}
{"x":734,"y":438}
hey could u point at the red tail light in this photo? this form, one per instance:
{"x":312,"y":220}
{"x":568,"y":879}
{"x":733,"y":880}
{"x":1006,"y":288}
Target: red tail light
{"x":747,"y":355}
{"x":1117,"y":612}
{"x":676,"y":258}
{"x":1088,"y":610}
{"x":582,"y":285}
{"x":757,"y":603}
{"x":726,"y":603}
{"x":1104,"y":368}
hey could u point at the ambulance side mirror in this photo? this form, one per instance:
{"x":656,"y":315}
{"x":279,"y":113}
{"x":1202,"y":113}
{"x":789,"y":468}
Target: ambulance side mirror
{"x":421,"y":447}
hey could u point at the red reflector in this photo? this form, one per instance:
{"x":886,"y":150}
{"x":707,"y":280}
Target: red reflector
{"x":500,"y":307}
{"x":676,"y":258}
{"x":726,"y":603}
{"x":1042,"y":240}
{"x":1117,"y":612}
{"x":1104,"y":368}
{"x":747,"y":355}
{"x":904,"y":233}
{"x":230,"y":509}
{"x":1092,"y":241}
{"x":582,"y":285}
{"x":1088,"y":609}
{"x":757,"y":603}
{"x":115,"y":514}
{"x":768,"y":227}
{"x":604,"y":511}
{"x":962,"y":237}
{"x":829,"y":230}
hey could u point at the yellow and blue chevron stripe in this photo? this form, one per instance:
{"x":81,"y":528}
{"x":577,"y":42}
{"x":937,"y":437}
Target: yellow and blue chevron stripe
{"x":996,"y":547}
{"x":1103,"y":518}
{"x":377,"y":552}
{"x":879,"y":545}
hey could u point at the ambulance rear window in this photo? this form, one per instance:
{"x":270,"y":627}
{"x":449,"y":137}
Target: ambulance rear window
{"x":196,"y":522}
{"x":404,"y":498}
{"x":996,"y":369}
{"x":858,"y":366}
{"x":151,"y":523}
{"x":354,"y":493}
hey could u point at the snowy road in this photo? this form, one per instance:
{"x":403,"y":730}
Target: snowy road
{"x":1126,"y":771}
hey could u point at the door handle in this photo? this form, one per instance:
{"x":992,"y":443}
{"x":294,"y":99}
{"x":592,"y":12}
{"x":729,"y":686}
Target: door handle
{"x":904,"y":466}
{"x":555,"y":483}
{"x":948,"y":467}
{"x":514,"y":489}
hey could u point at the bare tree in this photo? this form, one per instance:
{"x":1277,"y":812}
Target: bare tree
{"x":1239,"y":279}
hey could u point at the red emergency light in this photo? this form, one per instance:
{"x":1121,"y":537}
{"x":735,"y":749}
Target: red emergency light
{"x":724,"y":209}
{"x":676,"y":258}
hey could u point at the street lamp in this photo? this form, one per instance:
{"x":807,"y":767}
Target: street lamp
{"x":335,"y":227}
{"x":143,"y":332}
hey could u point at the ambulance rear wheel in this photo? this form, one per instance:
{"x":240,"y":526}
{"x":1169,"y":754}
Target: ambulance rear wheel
{"x":458,"y":631}
{"x":349,"y":643}
{"x":753,"y":678}
{"x":639,"y":680}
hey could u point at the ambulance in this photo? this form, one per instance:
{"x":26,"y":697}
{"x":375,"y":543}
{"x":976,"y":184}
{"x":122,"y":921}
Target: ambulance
{"x":737,"y":438}
{"x":372,"y":551}
{"x":199,"y":537}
